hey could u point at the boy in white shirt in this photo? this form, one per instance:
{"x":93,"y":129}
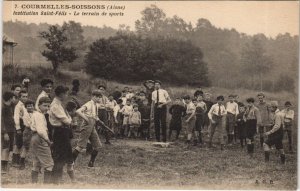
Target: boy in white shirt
{"x":190,"y":119}
{"x":232,"y":109}
{"x":40,"y":143}
{"x":217,"y":115}
{"x":126,"y":111}
{"x":89,"y":113}
{"x":134,"y":121}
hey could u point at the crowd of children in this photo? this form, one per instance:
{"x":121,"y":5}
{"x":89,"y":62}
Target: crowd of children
{"x":46,"y":126}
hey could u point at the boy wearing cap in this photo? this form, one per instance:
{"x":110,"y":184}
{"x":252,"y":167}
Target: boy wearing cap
{"x":253,"y":119}
{"x":265,"y":116}
{"x":217,"y":116}
{"x":89,"y":113}
{"x":232,"y":109}
{"x":61,"y":123}
{"x":7,"y":129}
{"x":160,"y":100}
{"x":288,"y":119}
{"x":47,"y":85}
{"x":40,"y":143}
{"x":19,"y":113}
{"x":275,"y":135}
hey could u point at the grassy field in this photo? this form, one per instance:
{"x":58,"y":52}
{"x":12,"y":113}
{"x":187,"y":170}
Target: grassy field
{"x":137,"y":164}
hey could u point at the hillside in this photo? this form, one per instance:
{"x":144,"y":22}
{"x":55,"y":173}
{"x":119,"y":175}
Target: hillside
{"x":221,"y":49}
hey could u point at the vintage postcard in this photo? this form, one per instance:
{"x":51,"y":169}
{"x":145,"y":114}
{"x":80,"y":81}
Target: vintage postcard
{"x":150,"y":95}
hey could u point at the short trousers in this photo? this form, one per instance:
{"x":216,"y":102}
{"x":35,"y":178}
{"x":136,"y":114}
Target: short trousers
{"x":190,"y":126}
{"x":199,"y":123}
{"x":41,"y":153}
{"x":27,"y":134}
{"x":218,"y":128}
{"x":230,"y":119}
{"x":88,"y":133}
{"x":275,"y":139}
{"x":126,"y":120}
{"x":251,"y":128}
{"x":8,"y":144}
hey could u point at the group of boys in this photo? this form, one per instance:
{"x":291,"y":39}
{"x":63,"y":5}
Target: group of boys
{"x":233,"y":120}
{"x":46,"y":125}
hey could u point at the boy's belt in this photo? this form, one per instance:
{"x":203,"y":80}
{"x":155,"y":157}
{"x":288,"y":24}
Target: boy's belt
{"x":230,"y":113}
{"x":62,"y":126}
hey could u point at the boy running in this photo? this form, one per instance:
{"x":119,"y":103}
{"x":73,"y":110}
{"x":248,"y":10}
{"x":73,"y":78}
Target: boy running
{"x":89,"y":113}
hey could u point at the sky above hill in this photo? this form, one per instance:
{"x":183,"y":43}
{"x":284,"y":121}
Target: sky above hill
{"x":250,"y":17}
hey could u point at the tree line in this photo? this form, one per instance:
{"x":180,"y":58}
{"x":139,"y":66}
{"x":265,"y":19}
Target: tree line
{"x":172,"y":48}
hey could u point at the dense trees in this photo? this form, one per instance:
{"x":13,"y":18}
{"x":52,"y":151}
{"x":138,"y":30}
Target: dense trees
{"x":229,"y":54}
{"x":129,"y":57}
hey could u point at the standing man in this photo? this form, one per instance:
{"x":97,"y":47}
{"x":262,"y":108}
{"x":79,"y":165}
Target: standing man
{"x":263,"y":107}
{"x":160,"y":100}
{"x":275,"y":135}
{"x":62,"y":149}
{"x":47,"y":85}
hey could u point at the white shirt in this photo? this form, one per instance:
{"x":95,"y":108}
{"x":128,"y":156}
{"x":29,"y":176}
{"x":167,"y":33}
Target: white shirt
{"x":19,"y":112}
{"x":126,"y":110}
{"x":190,"y":108}
{"x":232,"y":108}
{"x":39,"y":124}
{"x":163,"y":96}
{"x":288,"y":115}
{"x":214,"y":110}
{"x":124,"y":99}
{"x":117,"y":108}
{"x":103,"y":102}
{"x":42,"y":94}
{"x":89,"y":109}
{"x":58,"y":115}
{"x":27,"y":119}
{"x":129,"y":95}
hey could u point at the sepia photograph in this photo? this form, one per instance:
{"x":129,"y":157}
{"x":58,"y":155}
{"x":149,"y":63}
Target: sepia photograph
{"x":155,"y":95}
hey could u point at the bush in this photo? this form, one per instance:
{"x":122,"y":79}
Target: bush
{"x":131,"y":58}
